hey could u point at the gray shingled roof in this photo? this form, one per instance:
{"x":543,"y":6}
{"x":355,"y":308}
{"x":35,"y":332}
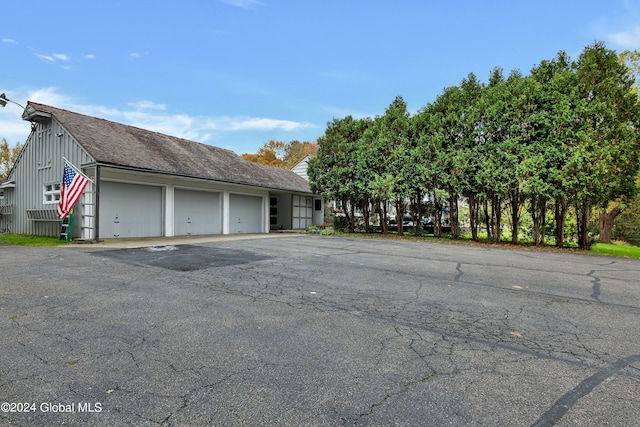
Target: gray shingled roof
{"x":121,"y":145}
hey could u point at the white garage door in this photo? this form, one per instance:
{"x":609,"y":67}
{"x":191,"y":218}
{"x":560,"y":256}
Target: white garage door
{"x":196,"y":212}
{"x":130,"y":210}
{"x":245,"y":214}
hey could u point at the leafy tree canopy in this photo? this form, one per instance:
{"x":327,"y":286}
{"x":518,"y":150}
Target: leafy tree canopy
{"x":281,"y":154}
{"x":8,"y":157}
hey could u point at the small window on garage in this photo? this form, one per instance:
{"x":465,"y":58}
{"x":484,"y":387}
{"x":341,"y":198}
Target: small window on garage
{"x":51,"y":193}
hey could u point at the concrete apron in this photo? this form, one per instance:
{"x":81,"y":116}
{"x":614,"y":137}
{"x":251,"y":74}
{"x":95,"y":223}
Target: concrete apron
{"x":142,"y":242}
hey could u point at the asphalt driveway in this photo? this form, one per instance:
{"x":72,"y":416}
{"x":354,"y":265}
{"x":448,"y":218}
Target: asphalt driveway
{"x":317,"y":331}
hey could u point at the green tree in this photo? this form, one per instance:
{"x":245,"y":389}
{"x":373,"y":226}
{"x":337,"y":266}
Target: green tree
{"x":467,"y":159}
{"x":492,"y":130}
{"x":606,"y":160}
{"x":447,"y":140}
{"x":627,"y":224}
{"x":8,"y":157}
{"x":281,"y":154}
{"x":627,"y":206}
{"x":551,"y":121}
{"x":271,"y":153}
{"x":383,"y":161}
{"x":295,"y":151}
{"x":334,"y":172}
{"x":631,"y":59}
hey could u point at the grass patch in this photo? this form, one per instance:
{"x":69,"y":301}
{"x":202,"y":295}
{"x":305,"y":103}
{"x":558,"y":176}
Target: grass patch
{"x":30,"y":240}
{"x":617,"y":249}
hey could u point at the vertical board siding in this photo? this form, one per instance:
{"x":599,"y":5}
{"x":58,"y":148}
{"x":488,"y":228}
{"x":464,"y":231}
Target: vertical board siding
{"x":39,"y":163}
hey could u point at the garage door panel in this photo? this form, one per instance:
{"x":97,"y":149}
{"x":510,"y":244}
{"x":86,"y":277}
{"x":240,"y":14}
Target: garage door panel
{"x":130,"y":210}
{"x":197,"y":212}
{"x":245,"y":214}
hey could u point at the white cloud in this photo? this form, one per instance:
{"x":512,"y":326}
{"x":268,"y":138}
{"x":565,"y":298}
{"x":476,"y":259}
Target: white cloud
{"x":60,"y":56}
{"x":47,"y":58}
{"x":629,"y":39}
{"x":49,"y":96}
{"x":54,"y":57}
{"x":147,"y":105}
{"x":90,"y":56}
{"x":244,"y":4}
{"x":12,"y":41}
{"x":144,"y":114}
{"x":259,"y":124}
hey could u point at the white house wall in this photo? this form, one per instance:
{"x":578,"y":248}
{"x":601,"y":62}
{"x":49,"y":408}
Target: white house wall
{"x":301,"y":167}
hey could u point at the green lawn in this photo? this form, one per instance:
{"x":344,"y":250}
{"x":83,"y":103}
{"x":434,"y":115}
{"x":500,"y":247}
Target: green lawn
{"x":29,"y":240}
{"x":617,"y":249}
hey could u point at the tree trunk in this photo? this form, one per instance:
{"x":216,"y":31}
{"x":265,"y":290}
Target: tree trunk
{"x":453,"y":214}
{"x":345,"y":209}
{"x":487,"y":218}
{"x":474,"y":210}
{"x":515,"y":216}
{"x":437,"y":221}
{"x":366,"y":214}
{"x":381,"y":216}
{"x":400,"y":216}
{"x":352,"y":222}
{"x":560,"y":216}
{"x":582,"y":216}
{"x":542,"y":206}
{"x":535,"y":218}
{"x":418,"y":219}
{"x":496,"y":213}
{"x":605,"y":222}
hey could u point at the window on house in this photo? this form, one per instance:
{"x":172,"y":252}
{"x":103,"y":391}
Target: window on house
{"x":52,"y":193}
{"x":1,"y":194}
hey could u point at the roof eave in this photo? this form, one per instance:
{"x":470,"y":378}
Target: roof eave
{"x":225,"y":181}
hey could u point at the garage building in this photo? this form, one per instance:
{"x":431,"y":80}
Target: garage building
{"x":145,"y":184}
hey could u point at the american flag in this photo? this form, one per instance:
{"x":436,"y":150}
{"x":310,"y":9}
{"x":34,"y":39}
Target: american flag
{"x":73,"y":185}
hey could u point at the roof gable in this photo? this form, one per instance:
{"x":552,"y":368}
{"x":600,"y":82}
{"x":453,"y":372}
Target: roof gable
{"x":128,"y":146}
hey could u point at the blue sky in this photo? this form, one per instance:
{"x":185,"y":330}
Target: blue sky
{"x":238,"y":73}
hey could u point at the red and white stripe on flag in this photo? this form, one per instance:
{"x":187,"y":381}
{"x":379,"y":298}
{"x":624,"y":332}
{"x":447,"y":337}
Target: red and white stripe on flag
{"x":73,"y":184}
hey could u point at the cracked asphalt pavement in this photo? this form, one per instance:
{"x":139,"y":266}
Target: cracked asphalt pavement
{"x":317,"y":331}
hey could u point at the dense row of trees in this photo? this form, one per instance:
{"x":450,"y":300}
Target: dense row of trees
{"x":562,"y":139}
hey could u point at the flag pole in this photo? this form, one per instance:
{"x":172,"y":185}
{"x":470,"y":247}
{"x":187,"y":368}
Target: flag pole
{"x":76,"y":169}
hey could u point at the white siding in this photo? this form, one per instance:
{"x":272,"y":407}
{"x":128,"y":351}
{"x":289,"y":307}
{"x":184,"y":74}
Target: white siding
{"x":301,"y":168}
